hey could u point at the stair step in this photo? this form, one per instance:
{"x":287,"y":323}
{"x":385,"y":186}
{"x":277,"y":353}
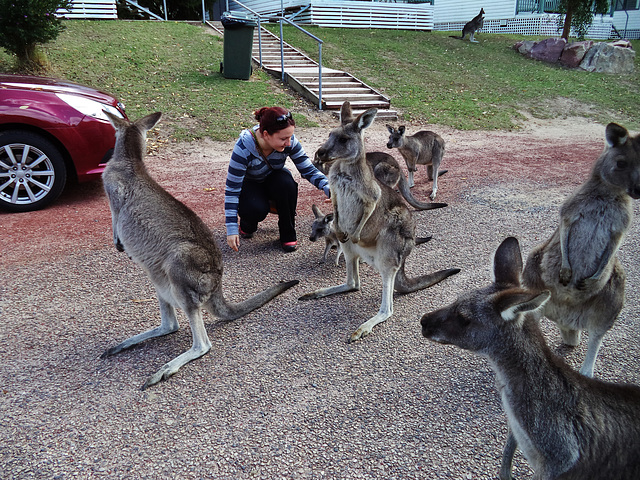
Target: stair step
{"x":356,"y":104}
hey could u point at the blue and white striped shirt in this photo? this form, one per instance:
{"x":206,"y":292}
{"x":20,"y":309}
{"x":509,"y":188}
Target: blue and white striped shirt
{"x":247,"y":162}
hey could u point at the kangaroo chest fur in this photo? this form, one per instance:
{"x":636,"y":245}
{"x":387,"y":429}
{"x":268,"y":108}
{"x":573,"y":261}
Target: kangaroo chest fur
{"x":596,"y":222}
{"x":354,"y":192}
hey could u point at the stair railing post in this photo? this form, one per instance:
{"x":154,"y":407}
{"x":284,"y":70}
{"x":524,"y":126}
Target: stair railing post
{"x":281,"y":53}
{"x":319,"y":75}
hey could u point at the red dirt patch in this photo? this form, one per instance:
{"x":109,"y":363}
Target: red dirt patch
{"x":561,"y":150}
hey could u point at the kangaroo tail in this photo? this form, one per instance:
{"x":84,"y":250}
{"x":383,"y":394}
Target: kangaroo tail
{"x":405,"y":191}
{"x":405,"y":285}
{"x":228,"y":311}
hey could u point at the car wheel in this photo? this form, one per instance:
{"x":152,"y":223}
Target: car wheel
{"x":32,"y":171}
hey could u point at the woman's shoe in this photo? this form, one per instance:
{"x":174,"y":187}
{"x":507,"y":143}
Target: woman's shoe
{"x":245,"y":235}
{"x":289,"y":246}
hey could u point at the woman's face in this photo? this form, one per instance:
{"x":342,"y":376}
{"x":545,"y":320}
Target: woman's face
{"x":280,"y":139}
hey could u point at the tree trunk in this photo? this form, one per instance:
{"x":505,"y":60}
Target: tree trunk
{"x":567,"y":23}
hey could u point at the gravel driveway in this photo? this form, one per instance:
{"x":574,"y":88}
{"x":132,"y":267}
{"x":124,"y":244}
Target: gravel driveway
{"x":281,"y":395}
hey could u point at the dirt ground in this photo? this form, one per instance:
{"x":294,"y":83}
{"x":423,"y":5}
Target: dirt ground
{"x":281,"y":394}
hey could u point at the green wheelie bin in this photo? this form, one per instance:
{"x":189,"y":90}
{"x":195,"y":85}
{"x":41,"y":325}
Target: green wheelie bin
{"x":238,"y":44}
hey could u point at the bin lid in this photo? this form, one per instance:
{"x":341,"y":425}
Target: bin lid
{"x":238,"y":19}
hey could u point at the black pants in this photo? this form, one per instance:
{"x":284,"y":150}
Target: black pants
{"x":255,"y":202}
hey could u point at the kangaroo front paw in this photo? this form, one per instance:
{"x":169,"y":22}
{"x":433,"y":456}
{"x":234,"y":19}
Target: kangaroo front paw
{"x":565,"y":276}
{"x":586,"y":283}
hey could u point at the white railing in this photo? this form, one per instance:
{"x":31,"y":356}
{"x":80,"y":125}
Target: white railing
{"x":540,"y":25}
{"x":351,"y":14}
{"x":90,"y":9}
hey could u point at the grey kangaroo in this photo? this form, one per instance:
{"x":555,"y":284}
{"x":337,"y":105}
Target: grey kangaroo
{"x":470,"y":28}
{"x":578,"y":264}
{"x":371,"y":220}
{"x":173,"y":246}
{"x":421,"y":148}
{"x":386,"y":169}
{"x":323,"y":227}
{"x":569,"y":426}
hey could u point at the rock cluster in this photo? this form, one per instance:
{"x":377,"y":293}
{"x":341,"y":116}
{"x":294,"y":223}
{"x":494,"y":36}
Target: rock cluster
{"x":614,"y":57}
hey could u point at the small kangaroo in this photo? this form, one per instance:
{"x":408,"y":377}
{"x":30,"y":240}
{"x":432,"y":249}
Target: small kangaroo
{"x":323,"y":227}
{"x":578,"y":264}
{"x":371,"y":220}
{"x":386,"y":169}
{"x":421,"y":148}
{"x":568,"y":426}
{"x":171,"y":243}
{"x":470,"y":28}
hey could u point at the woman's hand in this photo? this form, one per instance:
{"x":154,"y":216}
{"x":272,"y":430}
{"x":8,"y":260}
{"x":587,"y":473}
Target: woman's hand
{"x":234,"y":242}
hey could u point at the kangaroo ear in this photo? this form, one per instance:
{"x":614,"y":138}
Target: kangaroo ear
{"x":346,"y":116}
{"x":390,"y":128}
{"x":316,"y":211}
{"x":147,"y":123}
{"x":616,"y":135}
{"x":401,"y":129}
{"x":507,"y":263}
{"x":117,"y":122}
{"x":513,"y":303}
{"x":365,"y":119}
{"x":328,"y":218}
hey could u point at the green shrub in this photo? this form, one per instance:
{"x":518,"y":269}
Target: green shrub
{"x":25,"y":24}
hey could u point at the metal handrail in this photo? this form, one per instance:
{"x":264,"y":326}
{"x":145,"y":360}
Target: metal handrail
{"x":320,"y":42}
{"x":259,"y":29}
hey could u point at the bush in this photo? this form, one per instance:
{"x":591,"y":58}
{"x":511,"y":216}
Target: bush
{"x":25,"y":24}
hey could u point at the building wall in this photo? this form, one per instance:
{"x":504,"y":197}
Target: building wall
{"x":456,"y":11}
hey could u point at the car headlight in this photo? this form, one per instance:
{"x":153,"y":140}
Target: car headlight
{"x":89,"y":107}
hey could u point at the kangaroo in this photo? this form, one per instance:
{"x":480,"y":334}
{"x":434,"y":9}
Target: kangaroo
{"x":578,"y":264}
{"x":386,"y":169}
{"x":323,"y":227}
{"x":471,"y":27}
{"x":421,"y":148}
{"x":171,"y":243}
{"x":569,"y":426}
{"x":371,"y":220}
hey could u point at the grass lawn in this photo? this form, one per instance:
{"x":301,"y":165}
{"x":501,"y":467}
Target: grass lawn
{"x":174,"y":67}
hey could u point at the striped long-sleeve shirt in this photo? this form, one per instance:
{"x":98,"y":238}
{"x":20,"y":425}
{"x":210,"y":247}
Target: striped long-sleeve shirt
{"x":247,"y":162}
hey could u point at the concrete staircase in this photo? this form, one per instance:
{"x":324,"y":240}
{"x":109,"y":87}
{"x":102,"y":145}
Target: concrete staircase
{"x":301,"y":73}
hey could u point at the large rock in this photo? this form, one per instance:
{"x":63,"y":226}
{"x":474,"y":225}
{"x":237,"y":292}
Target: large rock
{"x":607,"y":58}
{"x":548,"y":50}
{"x":524,"y":47}
{"x":573,"y":53}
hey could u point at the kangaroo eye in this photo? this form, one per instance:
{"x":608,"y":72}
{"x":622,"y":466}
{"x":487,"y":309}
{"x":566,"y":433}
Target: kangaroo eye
{"x":622,"y":164}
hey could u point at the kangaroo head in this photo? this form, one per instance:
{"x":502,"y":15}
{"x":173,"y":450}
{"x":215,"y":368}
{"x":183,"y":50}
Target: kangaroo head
{"x":479,"y":320}
{"x":619,"y":164}
{"x":396,"y":136}
{"x":131,"y":136}
{"x":321,"y":225}
{"x":347,"y":140}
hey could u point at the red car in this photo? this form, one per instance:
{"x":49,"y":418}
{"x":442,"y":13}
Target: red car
{"x":51,"y":131}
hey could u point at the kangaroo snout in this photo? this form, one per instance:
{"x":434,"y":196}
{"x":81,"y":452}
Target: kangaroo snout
{"x":430,"y":323}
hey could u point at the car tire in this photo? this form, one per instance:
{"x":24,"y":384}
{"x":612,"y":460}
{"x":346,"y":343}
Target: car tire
{"x":33,"y":182}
